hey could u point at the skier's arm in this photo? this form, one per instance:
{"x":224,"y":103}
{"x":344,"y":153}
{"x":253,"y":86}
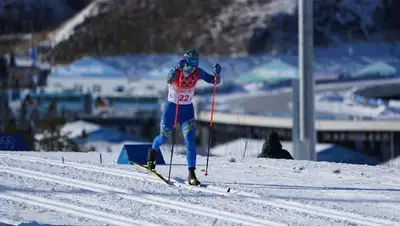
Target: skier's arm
{"x":172,"y":75}
{"x":209,"y":78}
{"x":175,"y":71}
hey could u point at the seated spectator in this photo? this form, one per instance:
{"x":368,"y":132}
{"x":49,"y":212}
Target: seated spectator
{"x":272,"y":148}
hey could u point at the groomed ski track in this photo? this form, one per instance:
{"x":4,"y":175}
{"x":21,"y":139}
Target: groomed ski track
{"x":308,"y":210}
{"x":138,"y":197}
{"x":71,"y":209}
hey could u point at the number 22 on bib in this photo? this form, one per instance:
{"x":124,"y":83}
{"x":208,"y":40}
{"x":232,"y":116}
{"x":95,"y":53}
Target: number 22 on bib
{"x":186,"y":93}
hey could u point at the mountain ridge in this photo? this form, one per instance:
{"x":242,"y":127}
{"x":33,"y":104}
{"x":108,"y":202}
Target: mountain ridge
{"x":225,"y":27}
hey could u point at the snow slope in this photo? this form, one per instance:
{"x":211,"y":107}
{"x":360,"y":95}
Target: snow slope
{"x":331,"y":19}
{"x":38,"y":187}
{"x":67,"y":29}
{"x":393,"y":163}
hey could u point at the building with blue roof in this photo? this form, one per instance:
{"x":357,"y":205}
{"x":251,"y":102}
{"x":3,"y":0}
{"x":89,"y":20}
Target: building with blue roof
{"x":94,"y":133}
{"x":118,"y":71}
{"x":87,"y":67}
{"x":109,"y":135}
{"x":88,"y":74}
{"x":274,"y":71}
{"x":376,"y":68}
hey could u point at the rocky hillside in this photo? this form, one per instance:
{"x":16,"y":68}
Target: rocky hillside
{"x":225,"y":27}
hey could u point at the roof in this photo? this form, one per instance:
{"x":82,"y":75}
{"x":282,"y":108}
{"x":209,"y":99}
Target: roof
{"x":87,"y":67}
{"x":379,"y":67}
{"x":74,"y":129}
{"x":339,"y":154}
{"x":155,"y":67}
{"x":273,"y":71}
{"x":111,"y":135}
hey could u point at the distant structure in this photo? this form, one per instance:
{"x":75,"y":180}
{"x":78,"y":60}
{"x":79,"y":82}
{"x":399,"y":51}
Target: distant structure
{"x":23,"y":72}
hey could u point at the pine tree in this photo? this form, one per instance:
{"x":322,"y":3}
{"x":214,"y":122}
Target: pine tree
{"x":52,"y":139}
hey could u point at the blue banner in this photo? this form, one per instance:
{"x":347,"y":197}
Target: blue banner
{"x":13,"y":142}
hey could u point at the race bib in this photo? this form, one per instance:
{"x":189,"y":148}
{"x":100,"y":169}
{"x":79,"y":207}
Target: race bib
{"x":185,"y":95}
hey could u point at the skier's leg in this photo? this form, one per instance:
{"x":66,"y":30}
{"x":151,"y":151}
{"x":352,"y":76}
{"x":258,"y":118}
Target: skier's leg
{"x":166,"y":127}
{"x":188,"y":125}
{"x":189,"y":133}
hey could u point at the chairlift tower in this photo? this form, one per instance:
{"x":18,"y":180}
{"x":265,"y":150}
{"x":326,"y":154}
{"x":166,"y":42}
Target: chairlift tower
{"x":307,"y":135}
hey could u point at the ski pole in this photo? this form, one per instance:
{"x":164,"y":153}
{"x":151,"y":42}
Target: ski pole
{"x":211,"y":120}
{"x":174,"y":129}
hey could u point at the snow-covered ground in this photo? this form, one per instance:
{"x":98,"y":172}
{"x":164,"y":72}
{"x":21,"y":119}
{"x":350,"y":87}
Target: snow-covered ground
{"x":64,"y":32}
{"x":251,"y":148}
{"x":393,"y":163}
{"x":38,"y":187}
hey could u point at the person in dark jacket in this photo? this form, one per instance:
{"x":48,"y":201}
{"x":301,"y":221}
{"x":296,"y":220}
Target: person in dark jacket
{"x":272,"y":148}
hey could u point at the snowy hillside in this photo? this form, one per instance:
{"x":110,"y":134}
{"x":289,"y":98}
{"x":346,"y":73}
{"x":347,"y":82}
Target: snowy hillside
{"x":65,"y":31}
{"x":336,"y":24}
{"x":278,"y":20}
{"x":224,"y":27}
{"x":38,"y":187}
{"x":238,"y":27}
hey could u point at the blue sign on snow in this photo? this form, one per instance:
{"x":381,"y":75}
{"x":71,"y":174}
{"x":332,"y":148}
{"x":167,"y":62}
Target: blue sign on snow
{"x":13,"y":142}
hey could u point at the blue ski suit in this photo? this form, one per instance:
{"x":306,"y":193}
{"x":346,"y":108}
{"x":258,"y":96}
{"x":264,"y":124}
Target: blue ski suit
{"x":185,"y":111}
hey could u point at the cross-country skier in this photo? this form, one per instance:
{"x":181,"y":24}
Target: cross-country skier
{"x":185,"y":74}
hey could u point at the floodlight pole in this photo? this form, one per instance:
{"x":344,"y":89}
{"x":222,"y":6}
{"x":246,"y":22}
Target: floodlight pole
{"x":307,"y":133}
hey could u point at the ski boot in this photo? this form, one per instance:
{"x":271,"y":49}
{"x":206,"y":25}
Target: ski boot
{"x":151,"y":159}
{"x":192,"y":179}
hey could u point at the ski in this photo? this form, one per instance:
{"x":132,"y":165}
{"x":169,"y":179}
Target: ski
{"x":203,"y":185}
{"x":176,"y":181}
{"x":153,"y":172}
{"x":183,"y":181}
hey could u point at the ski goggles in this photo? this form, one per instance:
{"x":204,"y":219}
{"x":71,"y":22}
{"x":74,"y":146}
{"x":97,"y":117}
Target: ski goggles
{"x":189,"y":69}
{"x":192,"y":62}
